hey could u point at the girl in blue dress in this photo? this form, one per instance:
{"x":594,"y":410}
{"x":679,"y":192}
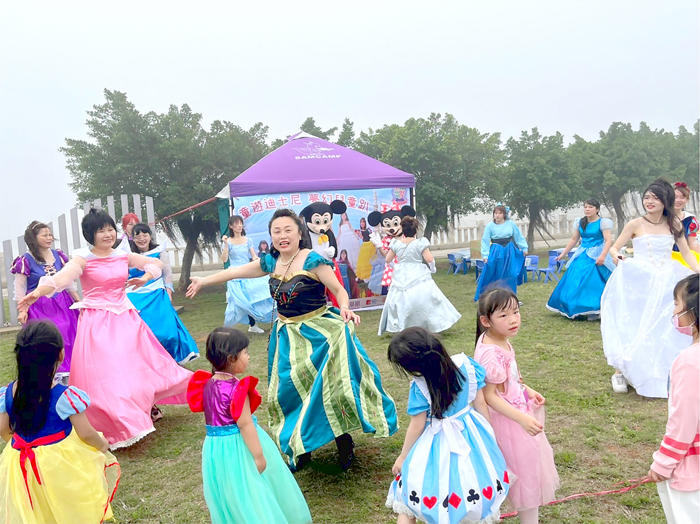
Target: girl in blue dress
{"x":248,"y":300}
{"x":503,"y":249}
{"x":579,"y":291}
{"x":154,"y":300}
{"x":450,"y":469}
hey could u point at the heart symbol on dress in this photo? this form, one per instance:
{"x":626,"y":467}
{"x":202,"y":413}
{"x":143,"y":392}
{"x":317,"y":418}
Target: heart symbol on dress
{"x":398,"y":477}
{"x":430,"y":502}
{"x":505,"y":477}
{"x":488,"y":492}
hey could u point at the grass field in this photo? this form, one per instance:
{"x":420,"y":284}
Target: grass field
{"x":599,"y":438}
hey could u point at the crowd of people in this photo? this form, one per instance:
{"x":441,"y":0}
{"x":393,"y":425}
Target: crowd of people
{"x":91,"y":372}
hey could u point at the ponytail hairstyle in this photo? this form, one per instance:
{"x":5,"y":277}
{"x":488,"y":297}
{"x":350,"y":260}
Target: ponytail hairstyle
{"x":304,"y":242}
{"x":409,"y":226}
{"x":416,"y":353}
{"x":584,"y":221}
{"x":30,"y":235}
{"x":664,"y":191}
{"x":38,"y":352}
{"x":231,"y":221}
{"x":224,"y":343}
{"x":494,"y":299}
{"x":686,"y":291}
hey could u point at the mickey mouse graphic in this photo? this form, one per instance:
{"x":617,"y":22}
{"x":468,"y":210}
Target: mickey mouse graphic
{"x":318,"y":218}
{"x":319,"y":222}
{"x":390,"y":220}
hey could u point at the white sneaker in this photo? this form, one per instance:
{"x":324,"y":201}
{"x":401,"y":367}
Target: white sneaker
{"x":619,"y":383}
{"x":255,"y":329}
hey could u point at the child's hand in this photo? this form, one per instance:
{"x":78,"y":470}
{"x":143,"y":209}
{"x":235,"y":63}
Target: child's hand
{"x":396,"y":468}
{"x":105,"y":445}
{"x":537,"y":397}
{"x":655,"y":477}
{"x":530,"y":425}
{"x":260,"y":463}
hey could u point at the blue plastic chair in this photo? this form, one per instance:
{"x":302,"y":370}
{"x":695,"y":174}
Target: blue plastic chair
{"x":549,"y":272}
{"x":465,"y":265}
{"x":531,"y":263}
{"x":478,"y":268}
{"x":346,"y":280}
{"x":453,"y":264}
{"x":560,"y":263}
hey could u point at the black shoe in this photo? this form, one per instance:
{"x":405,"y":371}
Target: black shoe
{"x":345,"y":450}
{"x":303,"y":461}
{"x":156,"y":414}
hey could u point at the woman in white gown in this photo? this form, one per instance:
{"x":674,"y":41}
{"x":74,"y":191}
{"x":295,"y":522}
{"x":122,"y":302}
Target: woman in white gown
{"x":348,"y":241}
{"x":414,"y":300}
{"x":639,"y":339}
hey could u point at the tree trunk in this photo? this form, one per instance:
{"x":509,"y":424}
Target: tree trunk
{"x":533,"y":215}
{"x":616,"y":199}
{"x":186,"y":269}
{"x":429,"y":228}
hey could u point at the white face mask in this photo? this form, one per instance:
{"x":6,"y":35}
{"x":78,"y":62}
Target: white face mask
{"x":685,"y":330}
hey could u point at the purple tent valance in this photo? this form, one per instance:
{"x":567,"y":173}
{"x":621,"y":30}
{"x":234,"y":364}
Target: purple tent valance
{"x":308,"y":163}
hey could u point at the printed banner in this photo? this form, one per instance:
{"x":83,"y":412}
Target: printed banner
{"x":361,"y":267}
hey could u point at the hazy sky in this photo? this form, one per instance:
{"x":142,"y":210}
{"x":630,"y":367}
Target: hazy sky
{"x":561,"y":65}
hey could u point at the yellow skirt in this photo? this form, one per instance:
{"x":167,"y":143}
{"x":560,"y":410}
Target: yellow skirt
{"x":364,"y":268}
{"x":77,"y":484}
{"x":676,"y":255}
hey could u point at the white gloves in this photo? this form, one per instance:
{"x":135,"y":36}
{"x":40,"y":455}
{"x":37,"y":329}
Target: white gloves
{"x":376,"y":239}
{"x":330,"y":252}
{"x":432,"y":267}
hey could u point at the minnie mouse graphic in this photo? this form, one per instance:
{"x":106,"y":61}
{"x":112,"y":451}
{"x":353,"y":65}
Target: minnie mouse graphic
{"x":390,"y":220}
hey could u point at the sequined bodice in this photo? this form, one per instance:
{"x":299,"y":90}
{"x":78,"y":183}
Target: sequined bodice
{"x":218,"y":395}
{"x":298,"y":295}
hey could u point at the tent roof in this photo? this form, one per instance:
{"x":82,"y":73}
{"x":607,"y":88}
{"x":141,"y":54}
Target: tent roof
{"x":308,"y":163}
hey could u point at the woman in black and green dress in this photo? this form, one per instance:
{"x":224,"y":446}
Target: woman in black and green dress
{"x":322,"y":383}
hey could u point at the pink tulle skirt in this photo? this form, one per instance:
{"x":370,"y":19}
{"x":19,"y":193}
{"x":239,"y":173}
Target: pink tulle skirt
{"x":530,"y":458}
{"x":121,"y":365}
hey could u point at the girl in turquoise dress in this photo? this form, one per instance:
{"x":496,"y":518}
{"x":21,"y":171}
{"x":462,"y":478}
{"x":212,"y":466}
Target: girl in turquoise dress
{"x":322,"y":383}
{"x":503,"y":249}
{"x":245,"y":479}
{"x":248,"y":300}
{"x":579,"y":291}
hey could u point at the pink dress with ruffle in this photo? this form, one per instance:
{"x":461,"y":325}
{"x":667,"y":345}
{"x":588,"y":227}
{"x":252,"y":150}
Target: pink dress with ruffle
{"x":530,"y":458}
{"x":117,"y":360}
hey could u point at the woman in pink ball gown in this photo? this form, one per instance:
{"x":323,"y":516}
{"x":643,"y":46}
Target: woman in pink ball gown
{"x":117,"y":360}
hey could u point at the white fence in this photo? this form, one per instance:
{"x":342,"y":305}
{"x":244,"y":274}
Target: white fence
{"x":68,"y":238}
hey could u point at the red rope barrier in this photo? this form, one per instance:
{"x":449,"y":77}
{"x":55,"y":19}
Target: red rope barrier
{"x":635,"y":483}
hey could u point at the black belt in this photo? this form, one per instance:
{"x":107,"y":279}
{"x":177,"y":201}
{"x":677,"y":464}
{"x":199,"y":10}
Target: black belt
{"x":502,"y":241}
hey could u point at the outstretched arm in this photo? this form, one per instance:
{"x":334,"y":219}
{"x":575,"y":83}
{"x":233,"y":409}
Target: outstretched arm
{"x":58,"y":282}
{"x":627,"y":232}
{"x":249,"y":270}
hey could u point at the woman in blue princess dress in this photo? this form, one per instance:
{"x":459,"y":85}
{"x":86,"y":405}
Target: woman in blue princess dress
{"x":248,"y":300}
{"x":579,"y":291}
{"x":154,"y":300}
{"x":503,"y":249}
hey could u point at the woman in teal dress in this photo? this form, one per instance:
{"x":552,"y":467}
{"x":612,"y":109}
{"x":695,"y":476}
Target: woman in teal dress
{"x":322,"y":383}
{"x":579,"y":291}
{"x":503,"y":249}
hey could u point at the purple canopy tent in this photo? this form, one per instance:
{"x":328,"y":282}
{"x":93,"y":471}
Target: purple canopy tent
{"x":308,"y":163}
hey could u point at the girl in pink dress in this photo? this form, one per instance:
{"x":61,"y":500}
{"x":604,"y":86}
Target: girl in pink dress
{"x":517,"y":410}
{"x":117,"y":360}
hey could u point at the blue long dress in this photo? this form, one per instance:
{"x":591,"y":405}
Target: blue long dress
{"x":248,"y":296}
{"x":579,"y":291}
{"x":156,"y":310}
{"x":503,"y":245}
{"x":455,"y":472}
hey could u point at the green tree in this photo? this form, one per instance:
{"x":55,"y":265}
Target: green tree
{"x":170,"y":157}
{"x":622,"y":161}
{"x":451,"y":162}
{"x":309,"y":126}
{"x":539,"y":178}
{"x":346,"y":138}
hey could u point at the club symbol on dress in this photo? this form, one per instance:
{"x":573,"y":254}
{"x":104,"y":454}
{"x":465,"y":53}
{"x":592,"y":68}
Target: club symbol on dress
{"x":473,"y":496}
{"x":414,"y":497}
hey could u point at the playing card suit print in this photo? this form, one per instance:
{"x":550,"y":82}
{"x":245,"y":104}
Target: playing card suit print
{"x":499,"y":487}
{"x":455,"y":500}
{"x":414,"y":497}
{"x":473,"y":496}
{"x":505,"y":477}
{"x":488,"y":492}
{"x":430,"y":502}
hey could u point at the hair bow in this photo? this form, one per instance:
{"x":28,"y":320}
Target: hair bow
{"x":502,"y":204}
{"x":681,"y":184}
